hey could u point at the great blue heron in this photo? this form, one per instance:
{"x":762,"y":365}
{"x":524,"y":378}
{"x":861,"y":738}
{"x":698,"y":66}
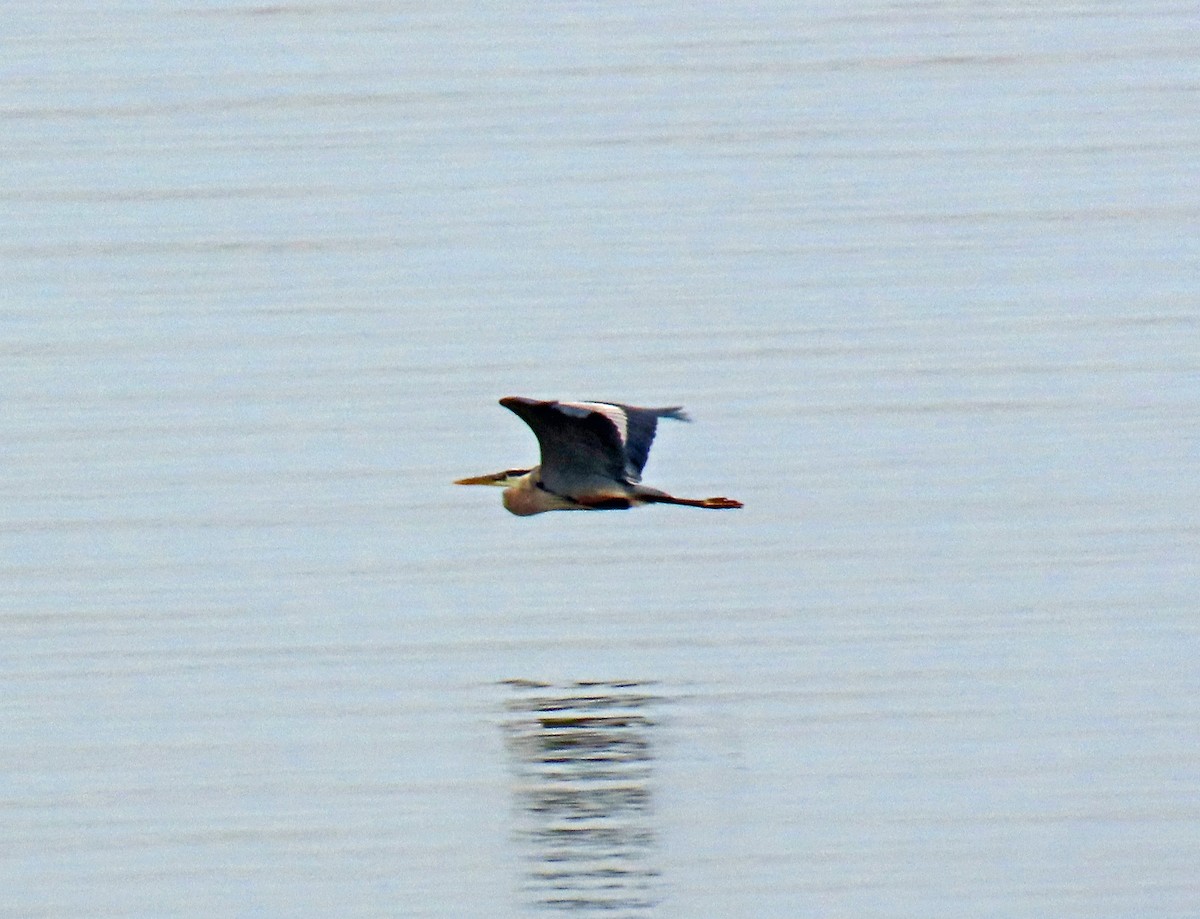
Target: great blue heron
{"x":592,"y":459}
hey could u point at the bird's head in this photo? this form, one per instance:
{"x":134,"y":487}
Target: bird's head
{"x":505,"y":479}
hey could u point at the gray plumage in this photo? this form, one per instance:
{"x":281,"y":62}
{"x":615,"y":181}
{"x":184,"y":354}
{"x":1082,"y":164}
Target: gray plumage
{"x":590,"y":444}
{"x":593,"y":454}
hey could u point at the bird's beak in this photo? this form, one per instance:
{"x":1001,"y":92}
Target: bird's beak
{"x":495,"y":478}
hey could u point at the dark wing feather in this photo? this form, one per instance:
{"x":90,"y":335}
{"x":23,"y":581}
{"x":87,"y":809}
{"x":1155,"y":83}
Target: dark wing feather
{"x":582,"y":451}
{"x":642,"y":423}
{"x":587,"y":448}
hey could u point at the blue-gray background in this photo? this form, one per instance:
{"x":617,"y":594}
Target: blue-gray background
{"x":924,"y":274}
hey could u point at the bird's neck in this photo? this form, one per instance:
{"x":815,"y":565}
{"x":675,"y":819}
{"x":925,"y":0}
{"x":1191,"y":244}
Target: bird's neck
{"x":523,"y":497}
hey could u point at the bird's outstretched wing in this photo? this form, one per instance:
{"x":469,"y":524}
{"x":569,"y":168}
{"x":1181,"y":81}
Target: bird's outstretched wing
{"x":588,"y":447}
{"x":641,"y":423}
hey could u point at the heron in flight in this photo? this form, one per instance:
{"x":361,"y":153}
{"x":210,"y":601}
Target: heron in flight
{"x":592,"y":459}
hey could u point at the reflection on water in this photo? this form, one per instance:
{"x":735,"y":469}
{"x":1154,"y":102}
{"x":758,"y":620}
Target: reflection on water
{"x":582,"y":758}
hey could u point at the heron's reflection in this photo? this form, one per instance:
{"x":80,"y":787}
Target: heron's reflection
{"x":582,"y":757}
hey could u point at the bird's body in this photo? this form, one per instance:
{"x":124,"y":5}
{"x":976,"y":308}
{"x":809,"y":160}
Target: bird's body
{"x":593,"y":454}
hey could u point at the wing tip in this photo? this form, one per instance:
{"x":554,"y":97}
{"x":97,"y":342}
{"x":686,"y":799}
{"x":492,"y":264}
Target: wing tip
{"x":516,"y":403}
{"x":674,"y":412}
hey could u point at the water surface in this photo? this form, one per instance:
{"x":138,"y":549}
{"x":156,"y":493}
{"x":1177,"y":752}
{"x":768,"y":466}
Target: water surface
{"x":924,"y":275}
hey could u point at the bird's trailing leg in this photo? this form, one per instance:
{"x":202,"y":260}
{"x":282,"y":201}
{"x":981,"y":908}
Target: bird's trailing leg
{"x":716,"y":504}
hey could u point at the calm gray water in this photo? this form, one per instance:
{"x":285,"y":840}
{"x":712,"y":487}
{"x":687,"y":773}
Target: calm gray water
{"x":925,"y":275}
